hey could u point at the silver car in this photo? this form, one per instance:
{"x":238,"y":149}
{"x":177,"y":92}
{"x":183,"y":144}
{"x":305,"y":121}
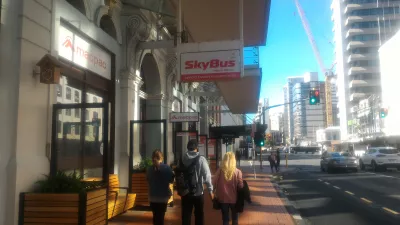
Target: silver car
{"x":331,"y":161}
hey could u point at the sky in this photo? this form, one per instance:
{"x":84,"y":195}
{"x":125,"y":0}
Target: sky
{"x":288,"y":51}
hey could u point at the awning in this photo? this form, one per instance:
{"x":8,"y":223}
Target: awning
{"x":218,"y":20}
{"x":242,"y":95}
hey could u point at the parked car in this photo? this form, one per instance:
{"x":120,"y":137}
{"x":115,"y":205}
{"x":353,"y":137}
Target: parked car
{"x":331,"y":161}
{"x":380,"y":158}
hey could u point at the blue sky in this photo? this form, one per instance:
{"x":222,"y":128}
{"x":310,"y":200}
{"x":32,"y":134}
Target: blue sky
{"x":288,"y":51}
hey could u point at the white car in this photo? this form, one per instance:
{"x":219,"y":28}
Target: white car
{"x":380,"y":157}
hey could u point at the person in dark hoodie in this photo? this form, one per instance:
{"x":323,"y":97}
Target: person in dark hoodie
{"x":159,"y":177}
{"x":203,"y":175}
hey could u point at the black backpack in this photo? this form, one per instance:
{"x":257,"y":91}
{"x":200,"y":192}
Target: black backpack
{"x":186,"y":179}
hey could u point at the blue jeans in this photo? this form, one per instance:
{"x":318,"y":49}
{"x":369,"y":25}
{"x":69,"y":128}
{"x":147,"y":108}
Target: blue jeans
{"x":225,"y":207}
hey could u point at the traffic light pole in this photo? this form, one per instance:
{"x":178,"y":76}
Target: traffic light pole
{"x":263,"y":110}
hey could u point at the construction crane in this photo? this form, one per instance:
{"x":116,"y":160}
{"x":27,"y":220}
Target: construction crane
{"x":328,"y":73}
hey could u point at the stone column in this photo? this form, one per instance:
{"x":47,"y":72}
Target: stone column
{"x":130,"y":84}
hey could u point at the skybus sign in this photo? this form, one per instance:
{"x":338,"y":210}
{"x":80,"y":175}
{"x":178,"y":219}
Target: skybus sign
{"x":210,"y":61}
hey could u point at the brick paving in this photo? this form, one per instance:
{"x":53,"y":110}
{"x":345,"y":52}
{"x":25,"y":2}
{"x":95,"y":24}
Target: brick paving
{"x":267,"y":207}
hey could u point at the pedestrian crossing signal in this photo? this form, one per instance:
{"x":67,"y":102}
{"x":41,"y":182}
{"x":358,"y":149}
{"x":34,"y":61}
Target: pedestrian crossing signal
{"x":259,"y":139}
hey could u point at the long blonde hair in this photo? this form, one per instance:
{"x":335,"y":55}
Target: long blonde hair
{"x":228,"y":166}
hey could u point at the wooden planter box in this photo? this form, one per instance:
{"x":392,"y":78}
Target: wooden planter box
{"x":81,"y":209}
{"x":140,"y":187}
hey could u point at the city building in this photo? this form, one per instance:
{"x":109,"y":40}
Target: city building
{"x":328,"y":138}
{"x":89,"y":86}
{"x":259,"y":117}
{"x":307,"y":118}
{"x":360,"y":28}
{"x":389,"y":54}
{"x":276,"y":120}
{"x":288,"y":110}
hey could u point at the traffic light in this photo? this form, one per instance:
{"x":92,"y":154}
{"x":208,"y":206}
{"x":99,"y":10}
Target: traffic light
{"x":314,"y":97}
{"x":383,"y":112}
{"x":259,"y":139}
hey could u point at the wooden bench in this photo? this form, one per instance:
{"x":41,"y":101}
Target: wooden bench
{"x":118,"y":202}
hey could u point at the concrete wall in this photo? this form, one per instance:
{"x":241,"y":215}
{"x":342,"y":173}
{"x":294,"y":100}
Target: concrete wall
{"x":10,"y":46}
{"x":28,"y":33}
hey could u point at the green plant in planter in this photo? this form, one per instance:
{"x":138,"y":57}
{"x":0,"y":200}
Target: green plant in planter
{"x":63,"y":182}
{"x":143,"y":165}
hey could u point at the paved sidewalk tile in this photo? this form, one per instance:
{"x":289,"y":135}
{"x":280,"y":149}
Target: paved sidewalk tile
{"x":267,"y":207}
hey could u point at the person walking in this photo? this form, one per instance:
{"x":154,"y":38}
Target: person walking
{"x":272,"y":162}
{"x":278,"y":160}
{"x":227,"y":181}
{"x":238,"y":157}
{"x":195,"y":173}
{"x":159,"y":178}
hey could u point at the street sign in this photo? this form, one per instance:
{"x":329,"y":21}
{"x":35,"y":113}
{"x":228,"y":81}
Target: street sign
{"x":175,"y":117}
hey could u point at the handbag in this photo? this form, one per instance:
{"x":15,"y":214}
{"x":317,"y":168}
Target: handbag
{"x":216,"y":203}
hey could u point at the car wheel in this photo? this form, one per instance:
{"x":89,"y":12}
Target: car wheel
{"x":322,"y":169}
{"x":374,"y":166}
{"x":329,"y":170}
{"x":362,"y":166}
{"x":355,"y":170}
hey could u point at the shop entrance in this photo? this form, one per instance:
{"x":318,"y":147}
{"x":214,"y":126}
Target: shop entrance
{"x":81,"y":143}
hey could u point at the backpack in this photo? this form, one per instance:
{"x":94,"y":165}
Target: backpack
{"x":186,"y":178}
{"x":272,"y":158}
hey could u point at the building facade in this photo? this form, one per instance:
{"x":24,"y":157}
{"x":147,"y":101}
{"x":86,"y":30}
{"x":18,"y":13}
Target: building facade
{"x":360,"y":28}
{"x":288,"y":92}
{"x":104,"y":80}
{"x":307,"y":118}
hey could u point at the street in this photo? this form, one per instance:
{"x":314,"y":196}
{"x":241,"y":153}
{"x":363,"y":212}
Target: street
{"x":341,"y":197}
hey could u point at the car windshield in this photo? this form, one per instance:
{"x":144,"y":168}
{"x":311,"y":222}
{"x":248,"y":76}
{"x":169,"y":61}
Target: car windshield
{"x":388,"y":151}
{"x":341,"y":154}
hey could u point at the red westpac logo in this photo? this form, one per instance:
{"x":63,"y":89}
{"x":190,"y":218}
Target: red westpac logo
{"x":95,"y":60}
{"x":68,"y":43}
{"x":213,"y":64}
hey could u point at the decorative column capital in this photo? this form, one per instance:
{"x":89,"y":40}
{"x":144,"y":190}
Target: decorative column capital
{"x":138,"y":27}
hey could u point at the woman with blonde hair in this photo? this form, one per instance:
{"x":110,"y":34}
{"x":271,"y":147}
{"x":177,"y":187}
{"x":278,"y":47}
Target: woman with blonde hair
{"x":228,"y":179}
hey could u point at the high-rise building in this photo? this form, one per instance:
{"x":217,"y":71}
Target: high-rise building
{"x":285,"y":127}
{"x":360,"y":28}
{"x":301,"y":120}
{"x":307,"y":118}
{"x":259,"y":117}
{"x":288,"y":110}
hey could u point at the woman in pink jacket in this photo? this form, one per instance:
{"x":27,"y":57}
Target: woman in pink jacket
{"x":227,"y":180}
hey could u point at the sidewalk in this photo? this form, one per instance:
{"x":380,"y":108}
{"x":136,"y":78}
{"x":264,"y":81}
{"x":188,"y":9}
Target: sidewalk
{"x":267,"y":207}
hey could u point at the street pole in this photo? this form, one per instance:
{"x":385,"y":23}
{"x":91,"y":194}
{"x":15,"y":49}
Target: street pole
{"x":263,"y":114}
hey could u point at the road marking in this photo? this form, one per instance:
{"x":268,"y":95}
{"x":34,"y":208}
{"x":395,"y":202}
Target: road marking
{"x":327,"y":183}
{"x":391,"y":211}
{"x":336,"y":187}
{"x":366,"y":200}
{"x":350,"y":193}
{"x":319,"y":180}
